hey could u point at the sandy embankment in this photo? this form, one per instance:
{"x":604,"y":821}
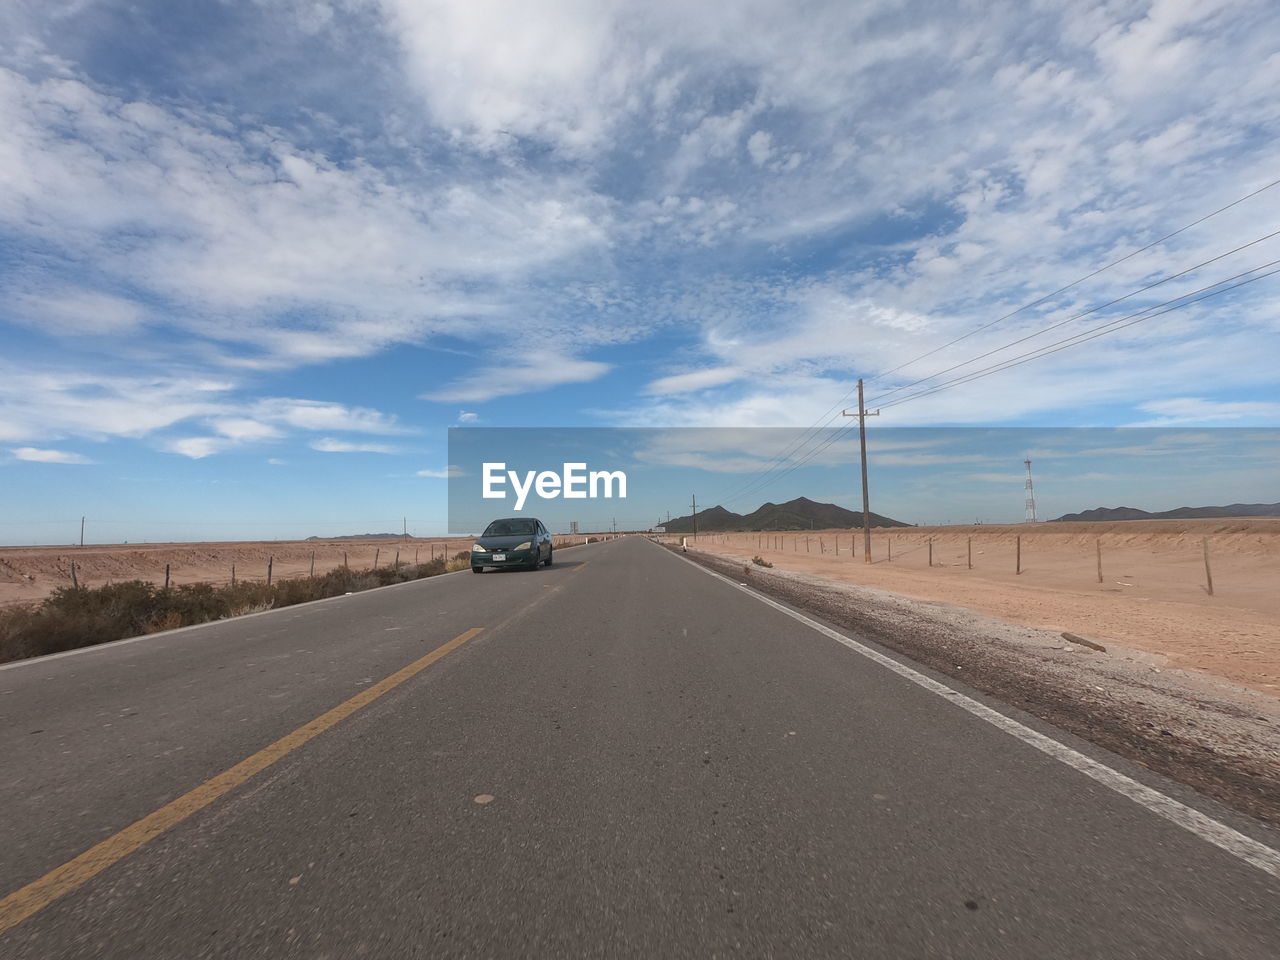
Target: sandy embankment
{"x":1153,"y":596}
{"x":32,"y":573}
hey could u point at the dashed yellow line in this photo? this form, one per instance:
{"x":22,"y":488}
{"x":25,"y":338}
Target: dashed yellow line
{"x":60,"y":881}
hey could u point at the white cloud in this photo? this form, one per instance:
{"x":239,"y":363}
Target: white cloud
{"x":446,"y":473}
{"x":326,"y":416}
{"x":244,"y":429}
{"x":732,"y":142}
{"x":41,"y":404}
{"x":38,"y":455}
{"x":465,"y":416}
{"x":197,"y":448}
{"x":760,"y":146}
{"x":79,"y":313}
{"x":330,"y":445}
{"x":539,"y":370}
{"x":1189,"y":411}
{"x":694,"y":380}
{"x":250,"y":240}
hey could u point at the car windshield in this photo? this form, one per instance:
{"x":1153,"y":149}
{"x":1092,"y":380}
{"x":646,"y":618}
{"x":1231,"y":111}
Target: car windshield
{"x":510,"y":528}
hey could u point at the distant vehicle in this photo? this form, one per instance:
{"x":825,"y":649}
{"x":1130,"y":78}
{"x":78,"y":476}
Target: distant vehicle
{"x":515,"y":542}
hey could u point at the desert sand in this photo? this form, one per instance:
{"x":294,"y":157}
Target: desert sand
{"x":1153,"y":595}
{"x":32,"y":573}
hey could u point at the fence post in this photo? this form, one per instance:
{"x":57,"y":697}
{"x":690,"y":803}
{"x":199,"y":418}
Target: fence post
{"x":891,"y":549}
{"x":969,"y":547}
{"x":1098,"y":545}
{"x":931,"y":551}
{"x":344,"y":560}
{"x":313,"y":564}
{"x":270,"y":562}
{"x":166,"y":576}
{"x":397,"y":564}
{"x":1018,"y":561}
{"x":74,"y":581}
{"x":233,"y":574}
{"x":375,"y":557}
{"x":1208,"y":574}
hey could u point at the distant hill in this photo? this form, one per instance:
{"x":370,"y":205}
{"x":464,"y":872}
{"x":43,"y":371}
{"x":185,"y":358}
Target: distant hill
{"x":798,"y":514}
{"x":364,"y":536}
{"x":1180,"y":513}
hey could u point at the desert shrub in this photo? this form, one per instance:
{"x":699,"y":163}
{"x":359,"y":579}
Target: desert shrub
{"x":74,"y":617}
{"x":761,"y":562}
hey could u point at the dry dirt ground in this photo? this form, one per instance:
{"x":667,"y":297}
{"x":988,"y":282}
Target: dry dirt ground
{"x":1153,"y":596}
{"x":32,"y":573}
{"x":1220,"y":738}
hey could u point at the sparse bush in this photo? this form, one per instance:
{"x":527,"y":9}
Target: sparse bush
{"x":761,"y":562}
{"x":74,"y":617}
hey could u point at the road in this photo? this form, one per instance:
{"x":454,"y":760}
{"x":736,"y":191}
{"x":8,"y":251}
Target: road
{"x":676,"y":769}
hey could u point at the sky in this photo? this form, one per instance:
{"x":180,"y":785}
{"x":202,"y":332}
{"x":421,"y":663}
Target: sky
{"x":257,"y":257}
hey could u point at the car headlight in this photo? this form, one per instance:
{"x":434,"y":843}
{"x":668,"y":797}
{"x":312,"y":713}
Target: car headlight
{"x":476,"y":548}
{"x":527,"y":545}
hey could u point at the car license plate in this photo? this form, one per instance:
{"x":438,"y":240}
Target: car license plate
{"x":499,"y":556}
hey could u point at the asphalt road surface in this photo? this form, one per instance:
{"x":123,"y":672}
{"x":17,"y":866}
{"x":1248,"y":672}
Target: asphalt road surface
{"x":631,"y":758}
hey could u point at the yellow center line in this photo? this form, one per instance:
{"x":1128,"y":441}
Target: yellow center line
{"x":73,"y":874}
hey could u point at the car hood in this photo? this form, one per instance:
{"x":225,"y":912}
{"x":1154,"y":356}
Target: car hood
{"x":503,"y":543}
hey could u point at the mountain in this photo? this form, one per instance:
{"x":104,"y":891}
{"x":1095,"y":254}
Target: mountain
{"x":1180,"y":513}
{"x":798,"y":514}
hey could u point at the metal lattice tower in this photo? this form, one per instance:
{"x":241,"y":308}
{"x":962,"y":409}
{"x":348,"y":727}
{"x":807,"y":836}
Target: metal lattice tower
{"x":1031,"y":494}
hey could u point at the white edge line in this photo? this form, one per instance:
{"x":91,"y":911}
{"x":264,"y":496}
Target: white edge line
{"x":1205,"y":827}
{"x":96,"y":647}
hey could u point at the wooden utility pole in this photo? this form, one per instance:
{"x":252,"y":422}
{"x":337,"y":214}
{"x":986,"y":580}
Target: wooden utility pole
{"x":695,"y":516}
{"x":82,"y":531}
{"x":866,"y":495}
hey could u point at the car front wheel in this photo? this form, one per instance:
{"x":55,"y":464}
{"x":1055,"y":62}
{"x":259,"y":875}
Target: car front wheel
{"x":550,"y":554}
{"x":477,"y":569}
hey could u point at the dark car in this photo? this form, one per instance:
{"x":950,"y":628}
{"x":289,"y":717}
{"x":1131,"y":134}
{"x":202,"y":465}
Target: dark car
{"x":515,"y":542}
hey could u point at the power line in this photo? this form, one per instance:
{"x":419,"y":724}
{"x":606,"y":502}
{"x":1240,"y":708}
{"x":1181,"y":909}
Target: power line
{"x":1081,"y":316}
{"x":1075,"y":283}
{"x":825,"y":419}
{"x":1094,"y":333}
